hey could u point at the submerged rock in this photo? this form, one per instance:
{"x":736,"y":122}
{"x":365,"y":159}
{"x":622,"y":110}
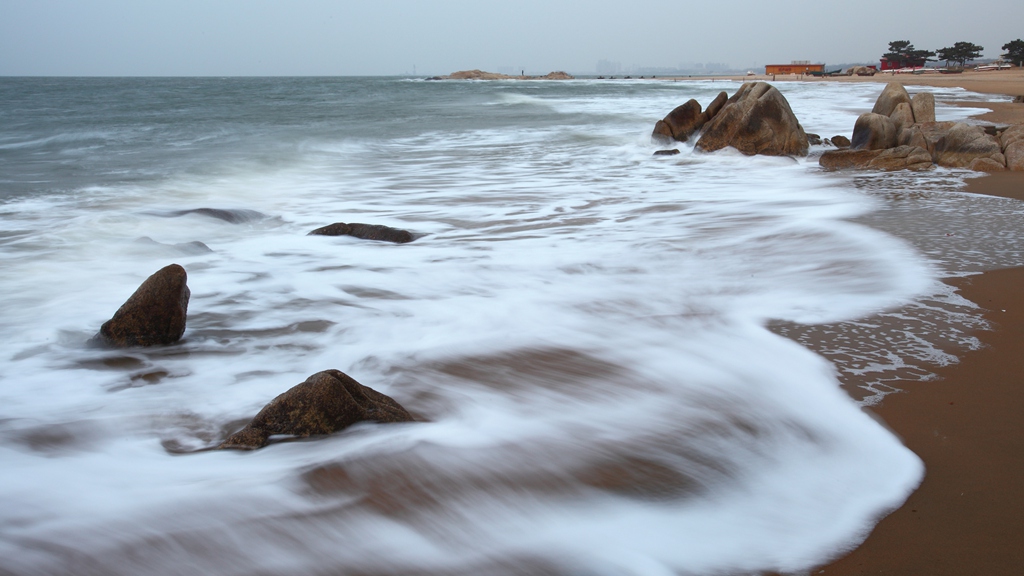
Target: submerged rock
{"x":681,"y":122}
{"x":153,"y":315}
{"x":671,"y":152}
{"x":365,"y":231}
{"x":756,"y":120}
{"x":325,"y":403}
{"x":232,"y":216}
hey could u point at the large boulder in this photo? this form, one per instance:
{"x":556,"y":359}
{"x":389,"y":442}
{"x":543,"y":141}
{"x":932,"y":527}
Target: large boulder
{"x":365,"y":231}
{"x":153,"y":315}
{"x":325,"y":403}
{"x":892,"y":95}
{"x":756,"y":120}
{"x":902,"y":116}
{"x":680,"y":123}
{"x":899,"y":158}
{"x":963,"y":143}
{"x":873,"y":132}
{"x":923,"y":105}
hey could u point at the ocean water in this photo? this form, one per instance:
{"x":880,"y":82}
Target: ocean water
{"x":620,"y":363}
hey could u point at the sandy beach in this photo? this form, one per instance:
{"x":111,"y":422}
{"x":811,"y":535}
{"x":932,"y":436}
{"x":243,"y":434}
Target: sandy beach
{"x":965,"y":517}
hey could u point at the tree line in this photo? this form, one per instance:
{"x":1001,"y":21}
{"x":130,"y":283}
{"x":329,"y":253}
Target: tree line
{"x":903,"y":53}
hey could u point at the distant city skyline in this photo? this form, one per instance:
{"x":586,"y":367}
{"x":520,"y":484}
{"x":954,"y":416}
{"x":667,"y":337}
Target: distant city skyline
{"x":390,"y":37}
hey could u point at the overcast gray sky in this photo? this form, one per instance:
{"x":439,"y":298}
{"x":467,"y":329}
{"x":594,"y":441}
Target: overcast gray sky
{"x":345,"y":37}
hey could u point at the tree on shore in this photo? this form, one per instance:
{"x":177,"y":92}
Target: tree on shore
{"x":1014,"y":51}
{"x":961,"y":53}
{"x":903,"y":53}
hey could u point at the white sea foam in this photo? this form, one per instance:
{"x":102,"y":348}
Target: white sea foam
{"x":581,"y":325}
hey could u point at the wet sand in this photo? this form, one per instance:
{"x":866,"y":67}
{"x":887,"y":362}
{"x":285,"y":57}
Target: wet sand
{"x":965,"y":518}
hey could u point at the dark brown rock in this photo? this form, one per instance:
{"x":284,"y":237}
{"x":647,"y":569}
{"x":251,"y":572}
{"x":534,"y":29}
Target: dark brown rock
{"x":873,"y":132}
{"x":365,"y":231}
{"x":662,"y":134}
{"x":683,"y":121}
{"x":923,"y":105}
{"x":715,"y":107}
{"x":813,"y":139}
{"x":325,"y":403}
{"x":963,"y":143}
{"x":153,"y":315}
{"x":840,"y":141}
{"x":892,"y":95}
{"x":671,"y":152}
{"x":756,"y":120}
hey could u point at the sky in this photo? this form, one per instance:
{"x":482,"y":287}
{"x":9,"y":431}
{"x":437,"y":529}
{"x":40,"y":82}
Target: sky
{"x":430,"y":37}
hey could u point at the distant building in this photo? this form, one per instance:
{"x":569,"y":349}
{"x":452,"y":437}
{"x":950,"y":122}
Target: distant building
{"x":795,"y":67}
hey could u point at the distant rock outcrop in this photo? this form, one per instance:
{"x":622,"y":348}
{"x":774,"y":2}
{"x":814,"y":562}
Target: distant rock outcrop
{"x":325,"y":403}
{"x":757,"y":119}
{"x":481,"y":75}
{"x":366,"y":232}
{"x":153,"y":315}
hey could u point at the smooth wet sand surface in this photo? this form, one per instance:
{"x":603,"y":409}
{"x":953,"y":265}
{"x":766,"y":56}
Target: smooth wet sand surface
{"x":968,"y":427}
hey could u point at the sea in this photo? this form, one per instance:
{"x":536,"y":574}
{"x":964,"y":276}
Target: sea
{"x":619,"y":363}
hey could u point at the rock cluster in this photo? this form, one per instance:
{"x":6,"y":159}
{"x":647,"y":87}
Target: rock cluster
{"x":900,"y":133}
{"x":325,"y":403}
{"x":757,"y":119}
{"x":153,"y":315}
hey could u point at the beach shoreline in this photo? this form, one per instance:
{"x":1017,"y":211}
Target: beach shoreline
{"x":965,"y":425}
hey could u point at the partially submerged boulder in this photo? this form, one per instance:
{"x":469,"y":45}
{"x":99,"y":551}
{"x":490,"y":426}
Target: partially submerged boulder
{"x":756,"y":120}
{"x":153,"y":315}
{"x":365,"y":231}
{"x":325,"y":403}
{"x":681,"y":122}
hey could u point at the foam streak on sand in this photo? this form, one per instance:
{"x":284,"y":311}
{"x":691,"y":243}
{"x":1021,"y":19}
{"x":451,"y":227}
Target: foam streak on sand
{"x":579,"y":326}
